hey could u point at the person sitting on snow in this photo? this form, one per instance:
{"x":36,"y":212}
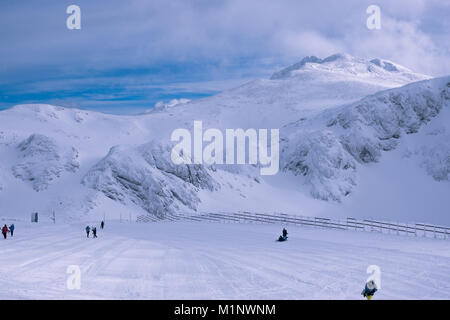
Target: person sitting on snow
{"x":283,"y":237}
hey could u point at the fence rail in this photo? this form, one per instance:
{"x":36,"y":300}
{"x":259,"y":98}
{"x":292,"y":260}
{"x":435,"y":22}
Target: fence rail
{"x":389,"y":227}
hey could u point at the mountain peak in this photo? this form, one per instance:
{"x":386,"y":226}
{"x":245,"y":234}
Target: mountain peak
{"x":386,"y":65}
{"x":286,"y":72}
{"x":343,"y":64}
{"x":339,"y":56}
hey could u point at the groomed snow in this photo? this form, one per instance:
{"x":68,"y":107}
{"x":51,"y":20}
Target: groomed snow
{"x":194,"y":260}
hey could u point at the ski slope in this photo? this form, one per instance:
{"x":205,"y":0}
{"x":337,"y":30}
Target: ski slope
{"x":199,"y":260}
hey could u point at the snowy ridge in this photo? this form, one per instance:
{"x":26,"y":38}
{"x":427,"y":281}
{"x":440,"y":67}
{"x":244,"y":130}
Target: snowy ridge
{"x":324,"y":151}
{"x":337,"y":121}
{"x":146,"y":176}
{"x":327,"y":149}
{"x":161,"y":106}
{"x":43,"y":161}
{"x":344,"y":65}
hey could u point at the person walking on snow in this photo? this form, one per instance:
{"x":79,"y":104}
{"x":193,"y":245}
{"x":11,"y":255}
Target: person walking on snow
{"x":88,"y":229}
{"x":94,"y":231}
{"x":11,"y":229}
{"x":102,"y":225}
{"x":369,"y":290}
{"x":5,"y":231}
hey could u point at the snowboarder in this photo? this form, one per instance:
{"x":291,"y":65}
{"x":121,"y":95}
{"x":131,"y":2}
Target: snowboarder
{"x":88,"y":229}
{"x":94,"y":231}
{"x":5,"y":231}
{"x":102,"y":225}
{"x":285,"y":233}
{"x":369,"y":290}
{"x":11,"y":229}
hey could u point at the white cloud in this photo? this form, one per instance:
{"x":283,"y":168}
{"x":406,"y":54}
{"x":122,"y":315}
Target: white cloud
{"x":309,"y":43}
{"x":402,"y":42}
{"x":234,"y":39}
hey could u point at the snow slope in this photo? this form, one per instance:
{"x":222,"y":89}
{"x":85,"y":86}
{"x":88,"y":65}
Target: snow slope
{"x":336,"y":123}
{"x":328,"y":148}
{"x":171,"y":261}
{"x":147,"y":176}
{"x":42,"y":161}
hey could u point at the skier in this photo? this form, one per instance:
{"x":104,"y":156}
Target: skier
{"x":5,"y":231}
{"x":88,"y":229}
{"x":11,"y":228}
{"x":102,"y":225}
{"x":369,"y":290}
{"x":94,"y":231}
{"x":285,"y":233}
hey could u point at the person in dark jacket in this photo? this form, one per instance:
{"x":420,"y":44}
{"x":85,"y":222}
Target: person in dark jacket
{"x":283,"y":237}
{"x":369,"y":290}
{"x":11,"y":229}
{"x":102,"y":225}
{"x":88,"y":229}
{"x":94,"y":231}
{"x":5,"y":231}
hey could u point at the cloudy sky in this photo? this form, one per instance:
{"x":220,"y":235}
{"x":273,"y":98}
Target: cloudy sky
{"x":130,"y":54}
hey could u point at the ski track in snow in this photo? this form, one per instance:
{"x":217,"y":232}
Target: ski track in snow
{"x":197,"y":260}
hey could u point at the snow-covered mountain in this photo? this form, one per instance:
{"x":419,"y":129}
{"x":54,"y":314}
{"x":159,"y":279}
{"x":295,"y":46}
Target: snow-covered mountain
{"x":340,"y":118}
{"x":43,"y":161}
{"x":161,"y":106}
{"x":342,"y":66}
{"x":328,"y":148}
